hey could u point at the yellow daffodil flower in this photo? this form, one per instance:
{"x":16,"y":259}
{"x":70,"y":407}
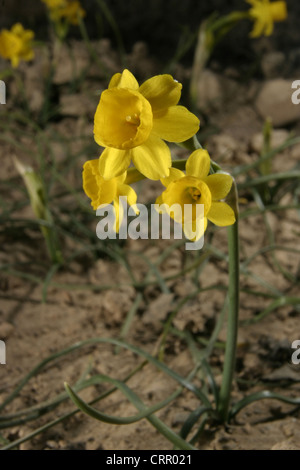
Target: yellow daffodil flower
{"x":16,"y":44}
{"x":102,"y":191}
{"x":66,"y":10}
{"x":197,"y":187}
{"x":51,"y":4}
{"x":131,"y":122}
{"x":69,"y":12}
{"x":265,"y":13}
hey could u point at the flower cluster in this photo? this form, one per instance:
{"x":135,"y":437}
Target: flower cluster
{"x":132,"y":123}
{"x":16,"y":44}
{"x":65,"y":10}
{"x":264,"y":13}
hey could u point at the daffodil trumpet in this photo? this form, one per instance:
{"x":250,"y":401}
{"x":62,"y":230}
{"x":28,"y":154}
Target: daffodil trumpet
{"x":103,"y":192}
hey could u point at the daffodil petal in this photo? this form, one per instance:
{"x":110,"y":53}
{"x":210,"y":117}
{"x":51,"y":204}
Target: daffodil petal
{"x":17,"y":29}
{"x":28,"y":55}
{"x":124,"y":80}
{"x":133,"y":175}
{"x":162,"y":91}
{"x":269,"y":28}
{"x":127,"y":191}
{"x":198,"y":164}
{"x":195,"y":229}
{"x":219,"y":185}
{"x":107,"y":192}
{"x":152,"y":158}
{"x":113,"y":162}
{"x":177,"y":124}
{"x":90,"y":184}
{"x":160,"y":206}
{"x":119,"y":212}
{"x":10,"y":45}
{"x":121,"y":178}
{"x":15,"y":61}
{"x":221,"y":214}
{"x":95,"y":187}
{"x":175,"y":174}
{"x":258,"y":29}
{"x":279,"y":11}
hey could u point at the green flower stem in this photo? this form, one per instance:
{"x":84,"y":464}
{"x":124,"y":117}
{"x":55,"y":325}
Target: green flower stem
{"x":225,"y":23}
{"x":38,"y":201}
{"x":93,"y":53}
{"x":210,"y":34}
{"x":232,"y":324}
{"x":179,"y":164}
{"x":191,"y":144}
{"x":266,"y":165}
{"x":287,"y":175}
{"x":52,"y":241}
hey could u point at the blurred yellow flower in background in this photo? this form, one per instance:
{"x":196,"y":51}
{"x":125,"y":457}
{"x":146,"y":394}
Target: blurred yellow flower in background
{"x":54,"y":3}
{"x":16,"y":44}
{"x":197,"y":187}
{"x":265,"y":13}
{"x":103,"y":192}
{"x":131,"y":122}
{"x":67,"y":10}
